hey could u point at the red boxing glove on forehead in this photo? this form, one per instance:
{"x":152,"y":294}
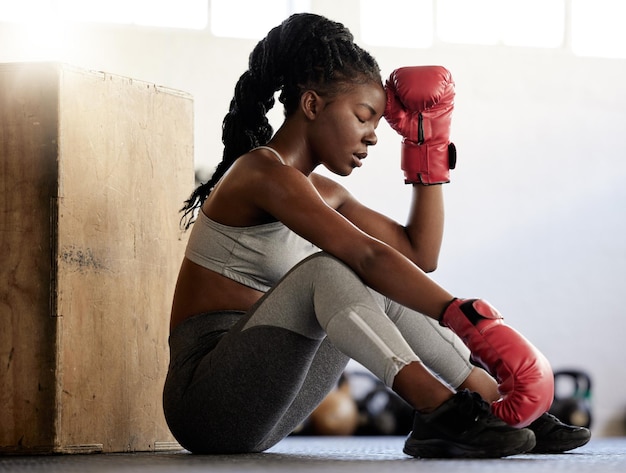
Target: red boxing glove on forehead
{"x":419,"y":107}
{"x":421,"y":89}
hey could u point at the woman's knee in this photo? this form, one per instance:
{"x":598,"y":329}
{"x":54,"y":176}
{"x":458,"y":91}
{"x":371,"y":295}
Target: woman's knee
{"x":331,"y":274}
{"x":324,"y":263}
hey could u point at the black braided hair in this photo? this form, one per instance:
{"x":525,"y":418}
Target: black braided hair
{"x":305,"y":52}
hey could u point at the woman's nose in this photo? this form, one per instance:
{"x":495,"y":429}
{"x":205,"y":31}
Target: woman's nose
{"x":371,"y":139}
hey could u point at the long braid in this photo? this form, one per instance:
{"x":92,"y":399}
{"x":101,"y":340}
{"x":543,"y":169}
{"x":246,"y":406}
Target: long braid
{"x":305,"y":52}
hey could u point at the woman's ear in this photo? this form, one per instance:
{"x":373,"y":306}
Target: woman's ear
{"x":310,"y":103}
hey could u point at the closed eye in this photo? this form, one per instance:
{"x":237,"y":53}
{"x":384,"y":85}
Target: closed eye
{"x":367,"y":109}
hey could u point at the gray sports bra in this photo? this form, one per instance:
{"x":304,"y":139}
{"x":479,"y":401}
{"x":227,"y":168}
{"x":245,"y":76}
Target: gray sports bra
{"x":256,"y":256}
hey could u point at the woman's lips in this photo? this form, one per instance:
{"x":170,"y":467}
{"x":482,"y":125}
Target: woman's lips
{"x":358,"y":159}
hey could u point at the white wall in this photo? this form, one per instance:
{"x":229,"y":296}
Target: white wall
{"x":536,"y":210}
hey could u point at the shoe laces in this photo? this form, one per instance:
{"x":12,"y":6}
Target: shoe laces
{"x":473,"y":404}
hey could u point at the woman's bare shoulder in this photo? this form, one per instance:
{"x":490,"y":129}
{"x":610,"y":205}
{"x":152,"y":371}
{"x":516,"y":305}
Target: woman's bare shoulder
{"x":331,"y":191}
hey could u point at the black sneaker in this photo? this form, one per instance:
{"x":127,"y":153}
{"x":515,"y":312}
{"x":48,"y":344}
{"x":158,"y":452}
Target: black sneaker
{"x":553,"y":436}
{"x":464,"y":427}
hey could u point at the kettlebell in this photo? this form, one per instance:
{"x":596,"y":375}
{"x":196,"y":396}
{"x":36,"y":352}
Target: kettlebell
{"x":337,"y":414}
{"x":381,"y":411}
{"x":385,"y":413}
{"x":573,"y":407}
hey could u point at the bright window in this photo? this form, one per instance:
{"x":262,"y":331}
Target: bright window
{"x":398,"y":23}
{"x":162,"y":13}
{"x":473,"y":22}
{"x":251,"y":18}
{"x":598,"y":28}
{"x":534,"y":23}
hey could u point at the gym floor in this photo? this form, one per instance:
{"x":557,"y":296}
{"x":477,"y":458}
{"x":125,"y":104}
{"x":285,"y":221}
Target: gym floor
{"x":328,"y":454}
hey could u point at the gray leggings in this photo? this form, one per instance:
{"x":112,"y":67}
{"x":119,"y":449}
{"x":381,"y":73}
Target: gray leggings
{"x":240,"y":382}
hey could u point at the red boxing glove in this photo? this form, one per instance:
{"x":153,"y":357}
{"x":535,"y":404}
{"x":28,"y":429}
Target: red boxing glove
{"x":524,"y":375}
{"x":419,"y":107}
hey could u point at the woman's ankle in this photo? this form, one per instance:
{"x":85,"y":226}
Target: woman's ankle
{"x":420,"y":388}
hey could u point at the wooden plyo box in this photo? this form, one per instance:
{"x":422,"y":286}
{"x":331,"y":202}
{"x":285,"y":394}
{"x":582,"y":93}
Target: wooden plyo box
{"x":93,"y":170}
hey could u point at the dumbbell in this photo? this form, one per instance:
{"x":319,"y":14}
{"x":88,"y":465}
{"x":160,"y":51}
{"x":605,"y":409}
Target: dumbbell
{"x":572,"y":408}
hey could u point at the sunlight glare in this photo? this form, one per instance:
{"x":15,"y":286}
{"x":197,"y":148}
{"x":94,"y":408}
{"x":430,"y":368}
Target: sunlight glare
{"x":161,"y":13}
{"x":251,"y":19}
{"x":382,"y":26}
{"x":531,"y":23}
{"x":43,"y":28}
{"x":598,"y":28}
